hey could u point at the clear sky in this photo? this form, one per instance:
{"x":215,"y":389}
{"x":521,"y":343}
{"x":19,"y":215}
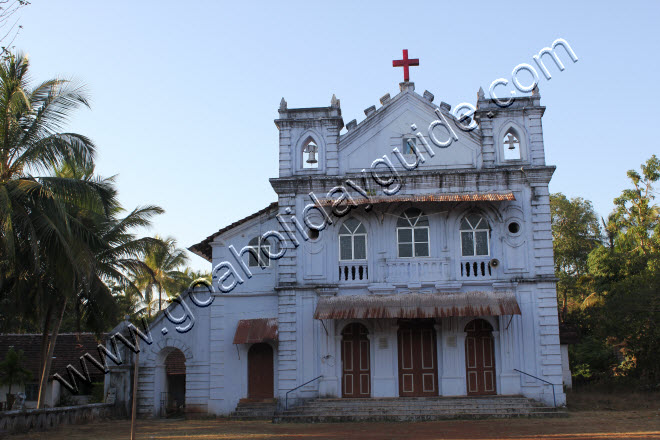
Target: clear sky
{"x":184,"y":93}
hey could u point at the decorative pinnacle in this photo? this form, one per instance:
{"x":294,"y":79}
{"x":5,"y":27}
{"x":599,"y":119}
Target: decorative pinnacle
{"x":334,"y":102}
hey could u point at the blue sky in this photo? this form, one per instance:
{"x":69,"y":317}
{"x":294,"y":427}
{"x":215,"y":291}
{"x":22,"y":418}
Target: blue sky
{"x":184,"y":93}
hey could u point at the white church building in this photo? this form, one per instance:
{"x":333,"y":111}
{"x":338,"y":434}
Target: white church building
{"x":407,"y":255}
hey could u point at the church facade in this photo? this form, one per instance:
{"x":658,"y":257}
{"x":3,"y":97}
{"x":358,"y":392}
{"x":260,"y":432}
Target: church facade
{"x":409,"y":255}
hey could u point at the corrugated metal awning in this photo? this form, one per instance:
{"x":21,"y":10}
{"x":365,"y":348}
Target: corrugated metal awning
{"x":417,"y":305}
{"x":251,"y":331}
{"x":472,"y":197}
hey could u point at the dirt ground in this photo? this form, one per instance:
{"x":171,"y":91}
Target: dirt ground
{"x":582,"y":425}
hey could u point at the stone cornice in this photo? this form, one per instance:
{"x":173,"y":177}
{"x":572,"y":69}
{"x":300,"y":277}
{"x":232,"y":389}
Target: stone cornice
{"x":433,"y":181}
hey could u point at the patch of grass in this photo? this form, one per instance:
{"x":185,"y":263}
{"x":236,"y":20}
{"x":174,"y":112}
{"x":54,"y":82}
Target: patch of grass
{"x":608,"y":397}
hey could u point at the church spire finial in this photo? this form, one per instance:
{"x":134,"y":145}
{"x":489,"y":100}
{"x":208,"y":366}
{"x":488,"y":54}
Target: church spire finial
{"x":283,"y":105}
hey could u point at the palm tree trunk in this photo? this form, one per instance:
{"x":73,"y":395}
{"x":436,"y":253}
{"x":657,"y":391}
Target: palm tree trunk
{"x":44,"y":346}
{"x":49,"y":357}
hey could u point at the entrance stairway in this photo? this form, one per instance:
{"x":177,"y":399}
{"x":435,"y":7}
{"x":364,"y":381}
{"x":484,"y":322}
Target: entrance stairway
{"x":415,"y":409}
{"x":248,"y":409}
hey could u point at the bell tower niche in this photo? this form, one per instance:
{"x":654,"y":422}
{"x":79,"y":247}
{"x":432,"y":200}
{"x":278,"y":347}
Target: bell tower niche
{"x":511,"y":130}
{"x":309,"y":139}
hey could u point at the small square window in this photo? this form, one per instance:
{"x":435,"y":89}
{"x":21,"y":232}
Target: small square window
{"x":409,"y":145}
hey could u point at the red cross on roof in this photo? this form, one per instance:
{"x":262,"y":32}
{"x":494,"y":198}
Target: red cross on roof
{"x":405,"y":62}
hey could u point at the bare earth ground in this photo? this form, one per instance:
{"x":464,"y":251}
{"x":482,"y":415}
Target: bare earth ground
{"x":582,"y":425}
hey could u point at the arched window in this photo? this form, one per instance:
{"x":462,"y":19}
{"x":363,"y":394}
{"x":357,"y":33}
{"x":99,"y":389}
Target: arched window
{"x":352,"y":240}
{"x":310,"y":152}
{"x":258,"y":257}
{"x":412,"y":234}
{"x":475,"y":240}
{"x":511,"y":145}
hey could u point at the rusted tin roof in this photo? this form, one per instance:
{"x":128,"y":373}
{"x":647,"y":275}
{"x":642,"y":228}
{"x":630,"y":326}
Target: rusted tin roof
{"x":417,"y":305}
{"x":251,"y":331}
{"x":473,"y":197}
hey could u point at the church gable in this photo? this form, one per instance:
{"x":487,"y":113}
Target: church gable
{"x":387,"y":131}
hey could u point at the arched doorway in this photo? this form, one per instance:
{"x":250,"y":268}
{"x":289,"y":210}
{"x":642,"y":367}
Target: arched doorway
{"x":175,"y":378}
{"x":418,"y":354}
{"x":479,"y":358}
{"x":260,"y":371}
{"x":355,"y":361}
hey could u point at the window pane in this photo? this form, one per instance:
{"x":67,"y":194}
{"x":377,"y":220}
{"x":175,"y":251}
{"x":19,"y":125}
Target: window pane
{"x":474,"y":219}
{"x":405,"y":250}
{"x":351,"y":224}
{"x":421,"y":235}
{"x":402,"y":222}
{"x":465,"y":225}
{"x":345,"y":247}
{"x":467,"y":245}
{"x":482,"y":242}
{"x":421,"y":249}
{"x":252,"y":257}
{"x":263,"y":255}
{"x":405,"y":235}
{"x":361,"y":229}
{"x":360,"y":243}
{"x":423,"y":221}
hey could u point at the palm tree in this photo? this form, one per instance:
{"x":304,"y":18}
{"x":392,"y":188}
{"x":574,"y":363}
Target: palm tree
{"x":48,"y":238}
{"x":164,"y":261}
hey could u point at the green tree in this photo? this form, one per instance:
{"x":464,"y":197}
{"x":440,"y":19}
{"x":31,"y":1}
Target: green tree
{"x":576,"y":232}
{"x":627,"y":275}
{"x":12,"y":371}
{"x":636,"y":217}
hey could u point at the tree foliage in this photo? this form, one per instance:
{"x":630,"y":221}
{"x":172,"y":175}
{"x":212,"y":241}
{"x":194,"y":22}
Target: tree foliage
{"x":622,"y":278}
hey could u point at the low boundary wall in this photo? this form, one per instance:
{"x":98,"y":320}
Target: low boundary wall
{"x":47,"y":418}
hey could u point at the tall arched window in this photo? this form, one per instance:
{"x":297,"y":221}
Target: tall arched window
{"x":259,"y":257}
{"x":412,"y":234}
{"x":475,"y":240}
{"x":310,"y":153}
{"x":352,"y":240}
{"x":511,"y":145}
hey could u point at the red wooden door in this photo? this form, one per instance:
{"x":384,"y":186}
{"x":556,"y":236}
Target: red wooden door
{"x":418,"y":369}
{"x":260,"y":371}
{"x":356,"y":366}
{"x":479,"y":358}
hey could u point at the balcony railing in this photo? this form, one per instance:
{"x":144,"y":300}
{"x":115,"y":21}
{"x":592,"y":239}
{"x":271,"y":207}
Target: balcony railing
{"x":476,"y":269}
{"x":353,"y":272}
{"x":413,"y":269}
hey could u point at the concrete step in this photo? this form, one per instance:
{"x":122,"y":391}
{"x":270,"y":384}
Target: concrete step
{"x":248,"y":410}
{"x":415,"y":409}
{"x":410,"y":417}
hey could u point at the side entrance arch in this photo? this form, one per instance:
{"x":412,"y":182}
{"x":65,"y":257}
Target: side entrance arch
{"x":174,"y":400}
{"x":479,"y":358}
{"x":355,"y":361}
{"x":260,"y":371}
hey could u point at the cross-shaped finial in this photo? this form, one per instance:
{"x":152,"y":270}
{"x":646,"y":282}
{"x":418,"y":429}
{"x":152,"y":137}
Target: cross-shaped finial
{"x":405,"y":63}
